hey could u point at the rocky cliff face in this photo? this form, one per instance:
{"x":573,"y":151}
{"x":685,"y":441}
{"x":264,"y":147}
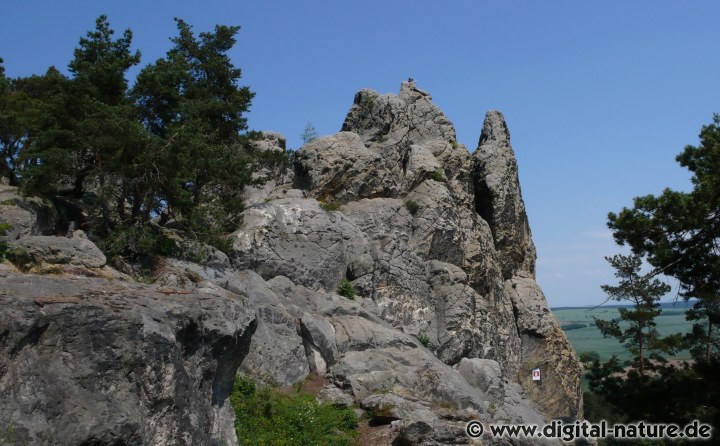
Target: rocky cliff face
{"x":446,"y":324}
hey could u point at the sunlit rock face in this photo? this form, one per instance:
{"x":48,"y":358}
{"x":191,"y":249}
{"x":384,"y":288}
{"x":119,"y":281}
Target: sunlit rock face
{"x":444,"y":324}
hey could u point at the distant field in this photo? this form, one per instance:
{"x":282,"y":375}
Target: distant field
{"x":588,"y":338}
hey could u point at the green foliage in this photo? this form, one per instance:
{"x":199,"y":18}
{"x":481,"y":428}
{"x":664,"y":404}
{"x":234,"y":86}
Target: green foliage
{"x":640,"y":337}
{"x":192,"y":107}
{"x":330,"y":206}
{"x":424,"y":339}
{"x":438,"y":176}
{"x":412,"y":207}
{"x":7,"y":435}
{"x":88,"y":121}
{"x":309,"y":134}
{"x":368,"y":100}
{"x":267,"y":417}
{"x":137,"y":241}
{"x":18,"y":112}
{"x":176,"y":145}
{"x":492,"y":409}
{"x":680,"y":234}
{"x":588,"y":357}
{"x":21,"y":258}
{"x":596,"y":408}
{"x":217,"y":240}
{"x":345,"y":288}
{"x":4,"y":227}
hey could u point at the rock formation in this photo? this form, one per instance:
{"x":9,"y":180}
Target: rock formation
{"x":445,"y":326}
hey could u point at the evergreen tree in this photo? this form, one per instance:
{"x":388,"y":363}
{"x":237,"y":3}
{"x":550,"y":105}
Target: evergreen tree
{"x":43,"y":160}
{"x":20,"y":115}
{"x":640,"y":336}
{"x":679,"y":232}
{"x":192,"y":107}
{"x":309,"y":134}
{"x":176,"y":145}
{"x":92,"y":118}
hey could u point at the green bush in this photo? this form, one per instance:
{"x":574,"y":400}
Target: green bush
{"x":345,"y":288}
{"x":20,"y":258}
{"x":4,"y":228}
{"x":424,"y":339}
{"x":412,"y":207}
{"x":330,"y":206}
{"x":137,"y":241}
{"x":265,"y":416}
{"x":438,"y":176}
{"x":589,"y":356}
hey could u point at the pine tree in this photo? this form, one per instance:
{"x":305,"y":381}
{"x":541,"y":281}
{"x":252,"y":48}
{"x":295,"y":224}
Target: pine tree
{"x":643,"y":292}
{"x":192,"y":107}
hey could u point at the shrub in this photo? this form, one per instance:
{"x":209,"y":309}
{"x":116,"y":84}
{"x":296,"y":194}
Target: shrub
{"x":438,"y":176}
{"x":21,"y":258}
{"x":345,"y":288}
{"x":330,"y":206}
{"x":137,"y":241}
{"x":265,"y":416}
{"x":424,"y":339}
{"x":412,"y":207}
{"x":4,"y":227}
{"x":589,"y":356}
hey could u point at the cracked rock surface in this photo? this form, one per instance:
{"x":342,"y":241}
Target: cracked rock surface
{"x":446,"y":323}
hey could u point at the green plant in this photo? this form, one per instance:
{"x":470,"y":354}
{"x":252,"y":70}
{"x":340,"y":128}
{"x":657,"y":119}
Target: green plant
{"x":368,"y":100}
{"x":438,"y":176}
{"x":492,"y":409}
{"x":345,"y":288}
{"x":330,"y":206}
{"x":4,"y":228}
{"x":309,"y":134}
{"x":412,"y":207}
{"x":137,"y":241}
{"x":20,"y":258}
{"x":424,"y":339}
{"x":266,"y":416}
{"x":219,"y":241}
{"x":7,"y":435}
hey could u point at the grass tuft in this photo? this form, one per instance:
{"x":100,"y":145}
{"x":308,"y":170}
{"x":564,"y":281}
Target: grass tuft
{"x":266,"y":416}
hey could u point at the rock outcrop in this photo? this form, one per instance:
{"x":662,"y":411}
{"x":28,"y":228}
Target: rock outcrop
{"x":445,"y":326}
{"x":88,"y":361}
{"x":451,"y":254}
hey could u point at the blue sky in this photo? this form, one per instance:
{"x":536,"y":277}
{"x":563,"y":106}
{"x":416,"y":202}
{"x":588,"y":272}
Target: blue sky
{"x":599,"y":97}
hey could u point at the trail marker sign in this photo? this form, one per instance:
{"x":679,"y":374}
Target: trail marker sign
{"x":536,"y":374}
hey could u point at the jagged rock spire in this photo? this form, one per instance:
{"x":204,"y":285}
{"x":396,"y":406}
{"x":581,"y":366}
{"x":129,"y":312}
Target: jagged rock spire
{"x":498,"y":198}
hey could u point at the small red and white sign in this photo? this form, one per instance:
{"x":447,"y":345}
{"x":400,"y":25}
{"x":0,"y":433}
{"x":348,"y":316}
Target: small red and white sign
{"x":536,"y":374}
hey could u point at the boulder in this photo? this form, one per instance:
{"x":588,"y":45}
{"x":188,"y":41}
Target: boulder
{"x":86,"y":361}
{"x":27,"y":216}
{"x":78,"y":250}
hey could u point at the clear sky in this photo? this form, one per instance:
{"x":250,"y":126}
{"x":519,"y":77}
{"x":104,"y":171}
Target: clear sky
{"x":599,"y":96}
